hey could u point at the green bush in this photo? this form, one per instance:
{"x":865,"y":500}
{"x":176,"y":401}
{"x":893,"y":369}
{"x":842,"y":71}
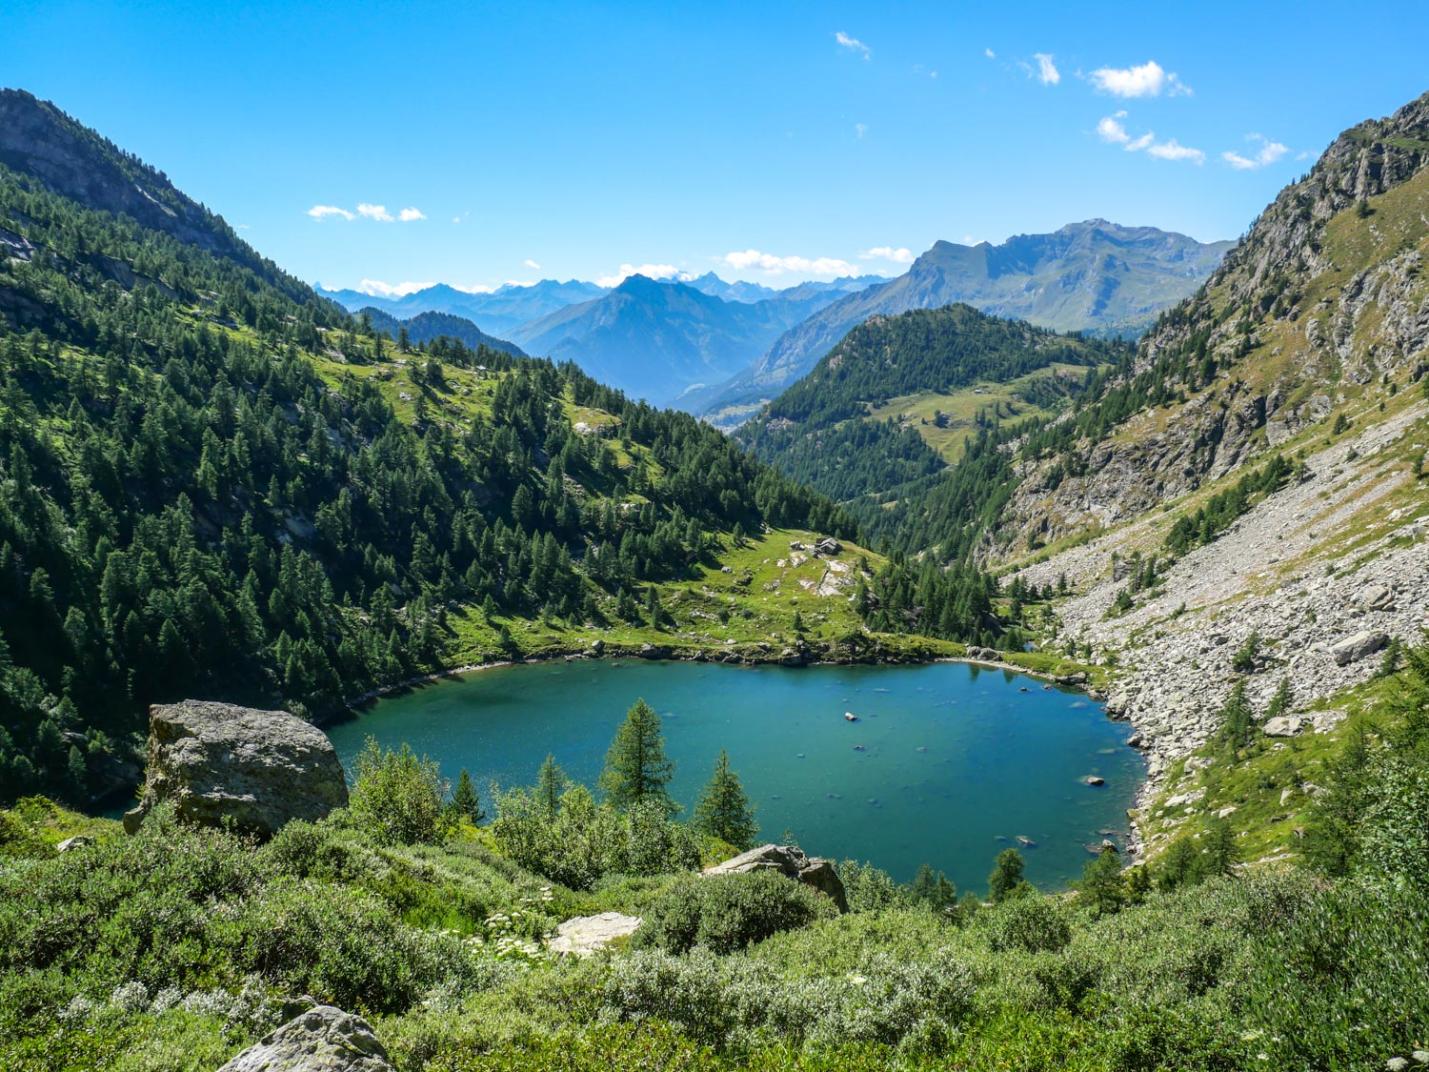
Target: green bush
{"x":1029,"y":924}
{"x":399,"y":797}
{"x":584,"y":841}
{"x":724,"y":913}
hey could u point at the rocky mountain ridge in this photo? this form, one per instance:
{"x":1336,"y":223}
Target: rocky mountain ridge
{"x":1091,"y":276}
{"x":1309,"y":344}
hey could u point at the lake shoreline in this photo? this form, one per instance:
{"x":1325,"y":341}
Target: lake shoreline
{"x":984,"y":731}
{"x":880,"y":655}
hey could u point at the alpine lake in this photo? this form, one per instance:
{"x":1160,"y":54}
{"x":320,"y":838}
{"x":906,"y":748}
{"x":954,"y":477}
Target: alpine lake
{"x":943,"y":763}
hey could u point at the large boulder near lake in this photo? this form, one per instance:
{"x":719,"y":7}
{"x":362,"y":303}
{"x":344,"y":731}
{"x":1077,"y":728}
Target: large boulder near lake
{"x":790,"y":862}
{"x":323,"y":1039}
{"x":259,"y":769}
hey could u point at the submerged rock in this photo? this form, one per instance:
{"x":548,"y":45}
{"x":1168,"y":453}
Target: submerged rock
{"x":323,"y":1039}
{"x":790,"y":862}
{"x":217,"y":762}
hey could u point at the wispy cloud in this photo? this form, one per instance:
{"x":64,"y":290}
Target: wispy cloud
{"x":1148,"y":79}
{"x":1112,"y":129}
{"x":323,"y":212}
{"x":774,"y":265}
{"x":1266,"y":153}
{"x":529,"y":263}
{"x":898,"y":255}
{"x":1171,"y":149}
{"x":989,"y":53}
{"x":853,"y":44}
{"x":367,"y":211}
{"x":1047,"y":72}
{"x":860,"y":129}
{"x":651,"y":271}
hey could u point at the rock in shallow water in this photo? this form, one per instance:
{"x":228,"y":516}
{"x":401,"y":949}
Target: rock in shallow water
{"x":217,"y":761}
{"x":323,"y":1039}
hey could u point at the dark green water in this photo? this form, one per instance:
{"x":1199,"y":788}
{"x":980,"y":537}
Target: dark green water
{"x":956,"y":762}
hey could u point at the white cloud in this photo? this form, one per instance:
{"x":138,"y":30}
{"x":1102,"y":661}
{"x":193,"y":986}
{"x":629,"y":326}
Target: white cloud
{"x":529,"y":263}
{"x":1267,"y":153}
{"x":1047,"y":72}
{"x":407,"y":215}
{"x":322,"y":212}
{"x":989,"y":53}
{"x":773,"y":265}
{"x":853,"y":44}
{"x":900,"y":255}
{"x":378,"y":289}
{"x":860,"y":129}
{"x":1112,"y":129}
{"x":1148,"y":79}
{"x":374,"y":212}
{"x":1171,"y":149}
{"x":650,"y":271}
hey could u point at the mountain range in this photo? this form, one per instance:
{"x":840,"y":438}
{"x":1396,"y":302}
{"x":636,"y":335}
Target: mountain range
{"x":722,"y":357}
{"x":499,"y":311}
{"x":1094,"y":276}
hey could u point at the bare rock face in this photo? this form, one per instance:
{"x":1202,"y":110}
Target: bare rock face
{"x":791,"y":863}
{"x":218,"y":761}
{"x":323,"y":1039}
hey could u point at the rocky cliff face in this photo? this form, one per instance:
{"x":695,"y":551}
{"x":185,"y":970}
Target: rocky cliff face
{"x":1325,"y":295}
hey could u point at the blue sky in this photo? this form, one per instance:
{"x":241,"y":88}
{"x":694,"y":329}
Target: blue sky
{"x":768,"y":141}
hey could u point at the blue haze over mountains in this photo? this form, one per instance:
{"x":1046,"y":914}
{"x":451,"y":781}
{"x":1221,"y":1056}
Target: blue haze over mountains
{"x":720,"y":348}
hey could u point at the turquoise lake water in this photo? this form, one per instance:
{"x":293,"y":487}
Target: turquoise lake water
{"x":947,"y":764}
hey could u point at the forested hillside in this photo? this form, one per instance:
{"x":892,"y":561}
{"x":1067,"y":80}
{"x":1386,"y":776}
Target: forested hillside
{"x":215,"y":483}
{"x":823,"y":430}
{"x":428,"y":327}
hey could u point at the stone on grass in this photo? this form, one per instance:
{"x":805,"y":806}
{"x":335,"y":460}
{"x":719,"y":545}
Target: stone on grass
{"x":791,"y":862}
{"x":583,"y":935}
{"x":218,"y":762}
{"x":323,"y":1039}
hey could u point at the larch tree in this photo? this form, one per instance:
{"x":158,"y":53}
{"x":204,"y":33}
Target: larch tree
{"x":723,"y":810}
{"x":636,"y":769}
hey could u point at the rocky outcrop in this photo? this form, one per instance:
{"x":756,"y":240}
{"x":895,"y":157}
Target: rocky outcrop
{"x":790,"y":862}
{"x":584,"y":935}
{"x":323,"y":1039}
{"x":1323,"y":573}
{"x":1321,"y":295}
{"x":218,"y":762}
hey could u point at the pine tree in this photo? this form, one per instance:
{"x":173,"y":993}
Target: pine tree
{"x":1102,"y":884}
{"x":1006,"y":879}
{"x":636,"y":769}
{"x":723,"y":810}
{"x":551,"y":782}
{"x":465,"y":802}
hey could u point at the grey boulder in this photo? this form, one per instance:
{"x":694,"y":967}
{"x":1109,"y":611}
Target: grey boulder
{"x":217,"y":762}
{"x":323,"y":1039}
{"x":1357,"y":646}
{"x":790,"y":862}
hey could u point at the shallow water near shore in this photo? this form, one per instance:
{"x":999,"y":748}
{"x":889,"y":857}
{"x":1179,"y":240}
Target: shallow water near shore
{"x":947,"y":763}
